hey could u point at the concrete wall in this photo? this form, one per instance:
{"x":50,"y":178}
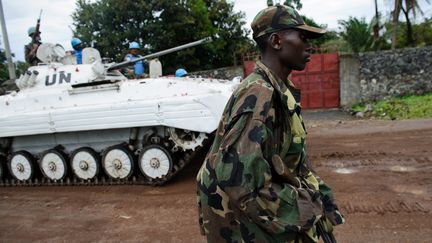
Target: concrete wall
{"x":349,"y":70}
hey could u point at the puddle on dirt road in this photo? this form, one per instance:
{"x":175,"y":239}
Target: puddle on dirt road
{"x":349,"y":167}
{"x":395,"y":168}
{"x":399,"y":168}
{"x":345,"y":171}
{"x":409,"y":189}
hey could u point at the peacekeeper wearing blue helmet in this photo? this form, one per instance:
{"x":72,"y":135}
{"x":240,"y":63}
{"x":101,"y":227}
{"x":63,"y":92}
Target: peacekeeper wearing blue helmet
{"x":31,"y":48}
{"x":179,"y":73}
{"x":138,"y":67}
{"x":77,"y":46}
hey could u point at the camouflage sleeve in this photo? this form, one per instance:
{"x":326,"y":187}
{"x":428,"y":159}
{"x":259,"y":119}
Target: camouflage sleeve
{"x":331,"y":210}
{"x":246,"y":177}
{"x":28,"y":57}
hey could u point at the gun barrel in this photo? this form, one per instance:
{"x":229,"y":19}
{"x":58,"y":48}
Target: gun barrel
{"x":37,"y":29}
{"x":161,"y":53}
{"x":327,"y":237}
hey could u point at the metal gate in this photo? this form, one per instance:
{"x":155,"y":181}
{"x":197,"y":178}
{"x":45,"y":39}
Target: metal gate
{"x":319,"y":82}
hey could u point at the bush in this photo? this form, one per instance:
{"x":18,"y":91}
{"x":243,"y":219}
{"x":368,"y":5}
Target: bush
{"x":396,"y":108}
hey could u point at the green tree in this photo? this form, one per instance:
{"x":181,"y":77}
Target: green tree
{"x":376,"y":22}
{"x":292,"y":3}
{"x":422,"y":33}
{"x":233,"y":39}
{"x":5,"y":83}
{"x":357,"y":33}
{"x":4,"y":75}
{"x":109,"y":25}
{"x":328,"y":36}
{"x":21,"y":67}
{"x":407,"y":7}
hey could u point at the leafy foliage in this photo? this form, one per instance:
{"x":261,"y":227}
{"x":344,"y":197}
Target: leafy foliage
{"x":4,"y":75}
{"x":409,"y":8}
{"x":422,"y":33}
{"x":20,"y":67}
{"x":406,"y":107}
{"x":318,"y":43}
{"x":357,"y":33}
{"x":109,"y":25}
{"x":292,"y":3}
{"x":4,"y":72}
{"x":335,"y":45}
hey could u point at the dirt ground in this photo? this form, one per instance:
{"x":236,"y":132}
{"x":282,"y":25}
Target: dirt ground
{"x":381,"y":172}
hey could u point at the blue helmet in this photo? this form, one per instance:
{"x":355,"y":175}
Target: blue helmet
{"x":134,"y":45}
{"x":31,"y":30}
{"x":180,"y":72}
{"x":75,"y":42}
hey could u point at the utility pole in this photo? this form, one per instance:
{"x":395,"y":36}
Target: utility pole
{"x":11,"y":67}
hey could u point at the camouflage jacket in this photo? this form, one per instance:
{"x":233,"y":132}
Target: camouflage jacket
{"x":240,"y":196}
{"x":30,"y":58}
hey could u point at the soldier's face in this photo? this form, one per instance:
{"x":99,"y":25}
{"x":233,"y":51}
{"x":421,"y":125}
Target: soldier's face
{"x":294,"y":49}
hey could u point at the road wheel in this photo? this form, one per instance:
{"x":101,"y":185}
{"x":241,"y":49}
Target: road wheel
{"x":85,"y":163}
{"x":53,"y":164}
{"x":117,"y":162}
{"x":21,"y":165}
{"x":155,"y":162}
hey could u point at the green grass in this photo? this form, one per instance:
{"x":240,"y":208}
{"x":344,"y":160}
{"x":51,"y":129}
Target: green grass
{"x":405,"y":107}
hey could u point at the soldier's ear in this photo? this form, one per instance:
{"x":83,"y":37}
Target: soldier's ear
{"x":274,"y":41}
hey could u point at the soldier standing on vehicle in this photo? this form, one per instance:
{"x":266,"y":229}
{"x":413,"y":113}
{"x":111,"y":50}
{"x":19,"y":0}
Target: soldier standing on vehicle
{"x":138,"y":68}
{"x":256,"y":184}
{"x":77,"y":46}
{"x":30,"y":49}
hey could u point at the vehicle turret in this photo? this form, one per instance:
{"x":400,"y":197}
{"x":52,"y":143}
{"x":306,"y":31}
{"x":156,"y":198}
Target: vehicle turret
{"x":60,"y":68}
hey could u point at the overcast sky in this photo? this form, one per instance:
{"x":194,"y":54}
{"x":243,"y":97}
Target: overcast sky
{"x":56,"y":17}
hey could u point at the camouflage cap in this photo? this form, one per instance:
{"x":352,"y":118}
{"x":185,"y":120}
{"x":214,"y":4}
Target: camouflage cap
{"x":281,"y":17}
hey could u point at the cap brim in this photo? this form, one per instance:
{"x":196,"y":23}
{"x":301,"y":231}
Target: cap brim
{"x":311,"y":32}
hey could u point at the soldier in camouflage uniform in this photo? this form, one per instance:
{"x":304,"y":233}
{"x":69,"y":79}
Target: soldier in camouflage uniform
{"x":256,"y":184}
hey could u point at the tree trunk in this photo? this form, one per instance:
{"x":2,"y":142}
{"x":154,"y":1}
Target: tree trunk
{"x":376,"y":25}
{"x":396,"y":13}
{"x":409,"y":32}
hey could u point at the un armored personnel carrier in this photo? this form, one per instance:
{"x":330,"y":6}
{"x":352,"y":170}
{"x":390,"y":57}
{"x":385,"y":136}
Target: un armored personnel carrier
{"x":89,"y":124}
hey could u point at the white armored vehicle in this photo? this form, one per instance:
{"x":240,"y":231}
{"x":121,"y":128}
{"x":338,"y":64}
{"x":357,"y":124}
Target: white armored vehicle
{"x":87,"y":124}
